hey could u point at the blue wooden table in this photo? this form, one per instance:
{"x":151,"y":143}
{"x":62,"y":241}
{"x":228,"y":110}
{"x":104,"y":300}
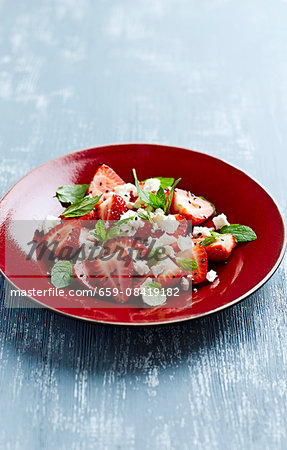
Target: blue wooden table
{"x":209,"y":75}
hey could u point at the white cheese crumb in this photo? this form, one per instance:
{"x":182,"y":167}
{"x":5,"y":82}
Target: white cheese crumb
{"x":151,"y":300}
{"x":211,"y":275}
{"x":184,"y":284}
{"x":158,"y":268}
{"x":202,"y":231}
{"x":124,"y":191}
{"x":184,"y":242}
{"x":169,"y":224}
{"x":164,"y":240}
{"x":141,"y":267}
{"x":220,"y":221}
{"x":152,"y":184}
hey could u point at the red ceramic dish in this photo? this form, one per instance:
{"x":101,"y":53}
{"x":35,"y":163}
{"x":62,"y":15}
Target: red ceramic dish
{"x":231,"y":190}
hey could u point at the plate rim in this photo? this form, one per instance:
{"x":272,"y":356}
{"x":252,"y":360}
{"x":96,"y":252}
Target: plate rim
{"x":172,"y":321}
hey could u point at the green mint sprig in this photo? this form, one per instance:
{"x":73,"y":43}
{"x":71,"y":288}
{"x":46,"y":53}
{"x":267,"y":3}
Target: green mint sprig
{"x":62,"y":274}
{"x":82,"y":207}
{"x":71,"y":193}
{"x":241,"y":233}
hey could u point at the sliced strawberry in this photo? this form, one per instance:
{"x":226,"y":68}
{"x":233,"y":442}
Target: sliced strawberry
{"x":198,"y":254}
{"x":221,"y":249}
{"x":62,"y":240}
{"x":104,"y":181}
{"x":183,"y":225}
{"x":191,"y":207}
{"x":110,"y":209}
{"x":113,"y":273}
{"x":170,"y":275}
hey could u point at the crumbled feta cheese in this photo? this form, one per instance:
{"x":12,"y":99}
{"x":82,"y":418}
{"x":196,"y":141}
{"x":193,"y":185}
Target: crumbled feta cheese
{"x":141,"y":267}
{"x":169,"y":251}
{"x":149,"y":296}
{"x":169,"y":224}
{"x":124,"y":191}
{"x":127,"y":215}
{"x":49,"y":223}
{"x":220,"y":221}
{"x":211,"y":275}
{"x":131,"y":226}
{"x":202,"y":231}
{"x":164,"y":240}
{"x":184,"y":242}
{"x":152,"y":184}
{"x":184,"y":284}
{"x":158,"y":268}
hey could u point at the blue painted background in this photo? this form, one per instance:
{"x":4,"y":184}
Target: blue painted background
{"x":209,"y":75}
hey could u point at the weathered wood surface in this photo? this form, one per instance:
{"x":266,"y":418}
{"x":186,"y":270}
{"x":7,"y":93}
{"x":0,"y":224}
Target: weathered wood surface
{"x":209,"y":75}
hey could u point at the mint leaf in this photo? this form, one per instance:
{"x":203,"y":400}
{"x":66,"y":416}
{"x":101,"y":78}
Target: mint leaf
{"x":214,"y":209}
{"x":170,"y":195}
{"x":144,"y":216}
{"x":187,"y":264}
{"x":100,"y":231}
{"x":241,"y":233}
{"x":71,"y":193}
{"x":165,"y":182}
{"x":81,"y":207}
{"x":144,"y":196}
{"x":61,"y":274}
{"x":157,"y":200}
{"x":155,"y":255}
{"x":112,"y":232}
{"x":208,"y":240}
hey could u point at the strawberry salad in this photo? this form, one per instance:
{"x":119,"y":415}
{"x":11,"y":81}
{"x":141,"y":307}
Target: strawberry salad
{"x":148,"y":239}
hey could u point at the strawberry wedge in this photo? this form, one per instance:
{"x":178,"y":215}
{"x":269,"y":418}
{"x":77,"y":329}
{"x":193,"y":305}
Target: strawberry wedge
{"x":104,"y":181}
{"x":63,"y":239}
{"x":115,"y":275}
{"x":221,"y":249}
{"x":191,"y":207}
{"x":198,"y":254}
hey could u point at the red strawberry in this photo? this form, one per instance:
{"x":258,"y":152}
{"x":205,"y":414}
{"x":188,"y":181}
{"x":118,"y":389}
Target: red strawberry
{"x":198,"y":254}
{"x":191,"y":207}
{"x":170,"y":275}
{"x":62,"y":240}
{"x":104,"y":181}
{"x":221,"y":249}
{"x":110,"y":209}
{"x":183,"y":225}
{"x":114,"y":275}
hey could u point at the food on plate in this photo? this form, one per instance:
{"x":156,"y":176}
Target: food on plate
{"x":145,"y":239}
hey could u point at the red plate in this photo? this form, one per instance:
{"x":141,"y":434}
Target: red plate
{"x":231,"y":190}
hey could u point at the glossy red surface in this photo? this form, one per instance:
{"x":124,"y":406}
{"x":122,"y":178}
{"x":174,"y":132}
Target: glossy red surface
{"x":231,"y":190}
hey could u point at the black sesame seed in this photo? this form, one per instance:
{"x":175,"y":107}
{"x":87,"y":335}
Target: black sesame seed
{"x":101,"y":183}
{"x":100,"y":164}
{"x":107,"y":190}
{"x":203,"y":260}
{"x":173,"y":276}
{"x":204,"y":217}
